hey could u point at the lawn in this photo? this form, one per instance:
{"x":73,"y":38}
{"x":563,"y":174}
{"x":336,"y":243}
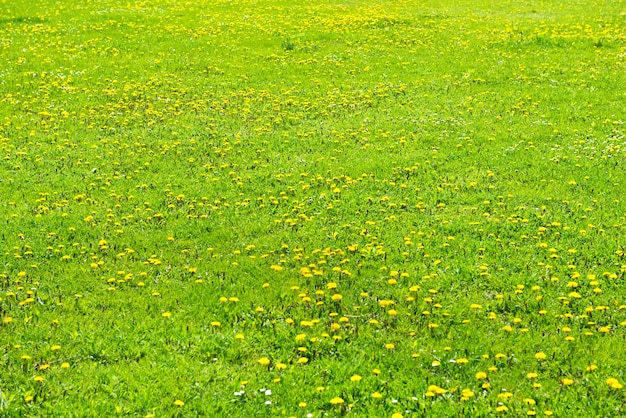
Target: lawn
{"x":288,"y":208}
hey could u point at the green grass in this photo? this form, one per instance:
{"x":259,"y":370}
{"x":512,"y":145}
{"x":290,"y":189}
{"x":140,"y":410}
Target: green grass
{"x":184,"y":187}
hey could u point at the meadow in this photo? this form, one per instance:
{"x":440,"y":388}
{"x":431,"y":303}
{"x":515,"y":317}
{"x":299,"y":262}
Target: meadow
{"x":290,"y":208}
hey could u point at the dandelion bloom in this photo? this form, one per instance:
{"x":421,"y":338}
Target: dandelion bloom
{"x":436,"y":389}
{"x":336,"y":401}
{"x":614,"y":383}
{"x":467,"y":393}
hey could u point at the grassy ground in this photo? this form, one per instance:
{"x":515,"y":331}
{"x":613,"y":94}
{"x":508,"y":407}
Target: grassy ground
{"x":268,"y":208}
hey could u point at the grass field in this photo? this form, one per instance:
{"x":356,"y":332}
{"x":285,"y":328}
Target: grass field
{"x":293,"y":208}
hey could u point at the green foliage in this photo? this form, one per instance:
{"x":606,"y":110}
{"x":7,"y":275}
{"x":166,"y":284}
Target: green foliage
{"x":287,"y":208}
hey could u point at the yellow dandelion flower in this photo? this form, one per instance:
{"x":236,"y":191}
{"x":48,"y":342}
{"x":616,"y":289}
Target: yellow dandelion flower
{"x":614,"y":383}
{"x":436,"y":389}
{"x":467,"y":393}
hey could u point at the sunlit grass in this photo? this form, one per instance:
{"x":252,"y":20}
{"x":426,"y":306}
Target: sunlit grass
{"x":312,"y":209}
